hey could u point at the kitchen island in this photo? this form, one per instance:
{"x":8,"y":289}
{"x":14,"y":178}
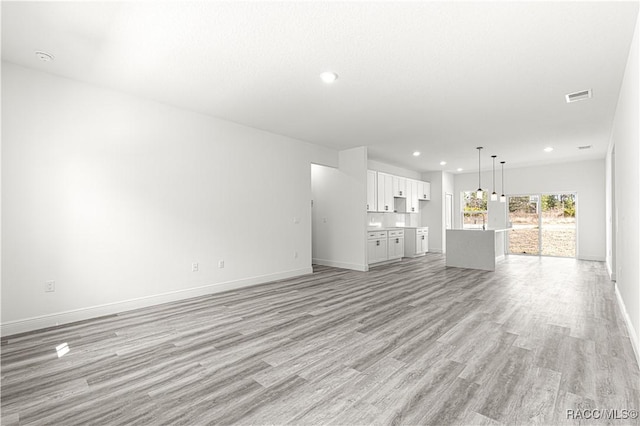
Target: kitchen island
{"x":476,"y":249}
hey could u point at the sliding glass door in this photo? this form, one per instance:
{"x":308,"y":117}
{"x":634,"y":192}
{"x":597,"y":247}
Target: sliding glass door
{"x":558,"y":236}
{"x":524,"y":216}
{"x":543,"y":224}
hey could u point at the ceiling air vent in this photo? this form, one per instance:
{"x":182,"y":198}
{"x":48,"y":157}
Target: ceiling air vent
{"x":585,"y":147}
{"x":578,"y":96}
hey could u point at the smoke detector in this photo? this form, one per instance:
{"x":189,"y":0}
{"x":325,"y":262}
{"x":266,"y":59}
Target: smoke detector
{"x":44,"y":56}
{"x":578,"y":96}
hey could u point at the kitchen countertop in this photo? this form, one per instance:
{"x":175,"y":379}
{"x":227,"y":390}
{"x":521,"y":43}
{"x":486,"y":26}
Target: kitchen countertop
{"x":393,"y":228}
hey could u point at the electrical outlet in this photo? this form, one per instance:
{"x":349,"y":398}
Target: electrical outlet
{"x":221,"y":264}
{"x":295,"y":255}
{"x":49,"y":286}
{"x":194,"y":267}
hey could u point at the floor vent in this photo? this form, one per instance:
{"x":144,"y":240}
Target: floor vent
{"x":578,"y":96}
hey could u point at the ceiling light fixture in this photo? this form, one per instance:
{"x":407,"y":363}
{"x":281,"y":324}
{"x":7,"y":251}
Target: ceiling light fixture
{"x":328,"y":77}
{"x":503,"y":198}
{"x":416,"y":153}
{"x":44,"y":56}
{"x":459,"y":169}
{"x":548,"y":149}
{"x":479,"y":192}
{"x":494,"y":195}
{"x":443,"y":163}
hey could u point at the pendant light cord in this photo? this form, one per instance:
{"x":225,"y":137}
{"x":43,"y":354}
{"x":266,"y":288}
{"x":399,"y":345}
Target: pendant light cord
{"x":494,"y":173}
{"x":479,"y":177}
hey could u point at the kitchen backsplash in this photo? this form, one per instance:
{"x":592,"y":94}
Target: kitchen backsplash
{"x":390,"y":220}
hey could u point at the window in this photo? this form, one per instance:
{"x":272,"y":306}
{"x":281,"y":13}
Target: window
{"x":474,"y":210}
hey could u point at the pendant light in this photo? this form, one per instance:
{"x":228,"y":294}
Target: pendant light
{"x":503,"y":198}
{"x":494,"y":195}
{"x":479,"y":193}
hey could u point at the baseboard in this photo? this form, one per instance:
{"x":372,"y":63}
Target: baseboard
{"x":52,"y":320}
{"x":632,"y":332}
{"x":343,"y":265}
{"x":432,"y":250}
{"x":612,"y":274}
{"x":385,"y":262}
{"x":593,"y":258}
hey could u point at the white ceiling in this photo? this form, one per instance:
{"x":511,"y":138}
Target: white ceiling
{"x":438,"y":77}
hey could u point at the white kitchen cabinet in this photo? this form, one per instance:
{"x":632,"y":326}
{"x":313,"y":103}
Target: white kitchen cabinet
{"x":385,"y":192}
{"x":422,"y":240}
{"x":377,"y":246}
{"x":399,"y":186}
{"x":424,"y":191}
{"x":372,"y":191}
{"x":412,"y":205}
{"x":416,"y":241}
{"x":396,"y":244}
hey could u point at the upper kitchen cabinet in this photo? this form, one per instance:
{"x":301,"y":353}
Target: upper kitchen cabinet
{"x":372,"y":191}
{"x":399,"y":186}
{"x":412,"y":205}
{"x":385,"y":192}
{"x":424,"y":191}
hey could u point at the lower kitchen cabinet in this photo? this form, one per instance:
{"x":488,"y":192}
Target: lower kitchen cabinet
{"x":396,"y":244}
{"x":377,"y":246}
{"x":416,"y":241}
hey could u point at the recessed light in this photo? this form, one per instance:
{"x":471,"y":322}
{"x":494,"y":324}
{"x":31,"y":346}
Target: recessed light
{"x":442,"y":163}
{"x":548,"y":149}
{"x":44,"y":56}
{"x":328,"y":77}
{"x":416,"y":153}
{"x":459,"y":169}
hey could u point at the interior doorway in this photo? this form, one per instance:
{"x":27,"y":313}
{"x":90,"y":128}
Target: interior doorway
{"x":543,"y":224}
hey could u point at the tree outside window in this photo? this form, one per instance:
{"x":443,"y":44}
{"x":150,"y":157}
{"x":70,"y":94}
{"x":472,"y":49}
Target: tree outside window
{"x":474,"y":210}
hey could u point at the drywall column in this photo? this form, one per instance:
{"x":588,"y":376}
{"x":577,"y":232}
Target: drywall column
{"x":339,"y":213}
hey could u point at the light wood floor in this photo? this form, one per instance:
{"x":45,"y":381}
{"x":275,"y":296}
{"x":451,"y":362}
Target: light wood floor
{"x":408,"y":343}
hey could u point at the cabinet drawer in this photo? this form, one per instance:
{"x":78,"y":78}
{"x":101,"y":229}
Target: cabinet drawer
{"x":398,"y":233}
{"x":377,"y":234}
{"x":422,"y":231}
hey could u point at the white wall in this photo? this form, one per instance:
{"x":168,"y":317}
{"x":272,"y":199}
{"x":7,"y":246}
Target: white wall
{"x":586,"y":178}
{"x":626,"y":182}
{"x":432,"y":211}
{"x":339,"y":213}
{"x":114,"y":197}
{"x":393,"y":170}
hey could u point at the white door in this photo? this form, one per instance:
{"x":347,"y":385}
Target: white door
{"x":449,"y":211}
